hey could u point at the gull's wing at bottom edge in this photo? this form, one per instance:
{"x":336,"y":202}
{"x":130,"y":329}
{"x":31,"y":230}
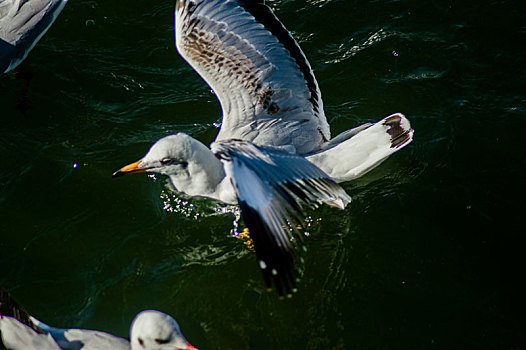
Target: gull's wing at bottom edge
{"x":17,"y":328}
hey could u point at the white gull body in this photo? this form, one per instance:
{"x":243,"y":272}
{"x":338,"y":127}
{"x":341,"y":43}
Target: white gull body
{"x":268,"y":184}
{"x":272,"y":114}
{"x":22,"y":25}
{"x":269,"y":96}
{"x":150,"y":330}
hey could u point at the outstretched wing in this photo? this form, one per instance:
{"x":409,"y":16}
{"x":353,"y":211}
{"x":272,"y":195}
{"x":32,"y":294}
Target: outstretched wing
{"x":270,"y":185}
{"x":264,"y":83}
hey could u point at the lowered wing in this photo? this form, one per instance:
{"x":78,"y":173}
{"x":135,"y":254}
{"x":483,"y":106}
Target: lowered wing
{"x":270,"y":185}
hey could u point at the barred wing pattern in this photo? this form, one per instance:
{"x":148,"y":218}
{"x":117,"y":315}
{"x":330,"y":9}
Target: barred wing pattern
{"x":266,"y":87}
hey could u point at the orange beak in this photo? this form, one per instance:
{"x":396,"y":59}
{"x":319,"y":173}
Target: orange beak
{"x":191,"y":347}
{"x":129,"y":169}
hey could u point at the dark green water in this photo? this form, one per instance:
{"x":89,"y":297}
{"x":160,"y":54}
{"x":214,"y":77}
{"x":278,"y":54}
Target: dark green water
{"x":429,"y":255}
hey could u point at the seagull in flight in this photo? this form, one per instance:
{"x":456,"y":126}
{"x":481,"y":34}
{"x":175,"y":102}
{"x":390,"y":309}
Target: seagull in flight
{"x":150,"y":330}
{"x":274,"y":149}
{"x":22,"y":24}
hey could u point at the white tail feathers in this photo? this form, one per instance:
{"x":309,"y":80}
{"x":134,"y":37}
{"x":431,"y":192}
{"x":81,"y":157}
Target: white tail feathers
{"x":362,"y":150}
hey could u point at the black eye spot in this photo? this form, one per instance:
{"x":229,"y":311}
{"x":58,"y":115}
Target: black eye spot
{"x":162,"y":341}
{"x":171,"y":161}
{"x":167,"y":161}
{"x":273,"y":108}
{"x":141,"y":342}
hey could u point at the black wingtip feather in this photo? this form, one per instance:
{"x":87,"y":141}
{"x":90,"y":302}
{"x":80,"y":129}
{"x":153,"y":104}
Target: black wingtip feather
{"x":400,"y":134}
{"x":275,"y":258}
{"x":264,"y":15}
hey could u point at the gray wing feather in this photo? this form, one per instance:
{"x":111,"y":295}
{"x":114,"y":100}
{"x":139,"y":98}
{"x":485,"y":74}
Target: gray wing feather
{"x":84,"y":339}
{"x":265,"y":84}
{"x":95,"y":340}
{"x":283,"y":171}
{"x":22,"y":24}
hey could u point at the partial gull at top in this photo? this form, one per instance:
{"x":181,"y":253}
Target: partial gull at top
{"x":150,"y":330}
{"x":22,"y":24}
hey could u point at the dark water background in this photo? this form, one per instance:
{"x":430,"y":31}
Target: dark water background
{"x":429,"y":255}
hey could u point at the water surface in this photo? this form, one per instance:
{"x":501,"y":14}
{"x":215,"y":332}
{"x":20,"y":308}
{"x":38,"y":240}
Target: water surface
{"x":428,"y":255}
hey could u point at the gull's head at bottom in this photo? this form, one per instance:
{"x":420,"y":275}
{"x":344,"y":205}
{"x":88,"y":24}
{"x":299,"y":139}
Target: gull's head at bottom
{"x":155,"y":330}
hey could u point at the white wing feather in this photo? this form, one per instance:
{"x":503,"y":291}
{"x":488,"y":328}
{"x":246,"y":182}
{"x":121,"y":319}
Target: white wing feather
{"x":365,"y":148}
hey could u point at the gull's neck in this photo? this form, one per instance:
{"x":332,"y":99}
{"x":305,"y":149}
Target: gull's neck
{"x":207,"y":178}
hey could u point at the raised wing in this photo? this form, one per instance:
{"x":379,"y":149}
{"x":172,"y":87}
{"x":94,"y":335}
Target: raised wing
{"x":270,"y":185}
{"x":264,"y":83}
